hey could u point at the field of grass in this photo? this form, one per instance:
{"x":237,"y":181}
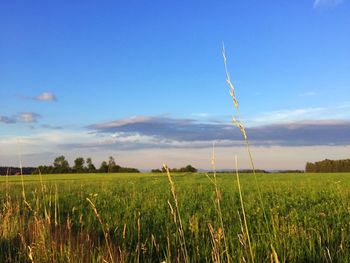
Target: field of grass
{"x":127,"y":218}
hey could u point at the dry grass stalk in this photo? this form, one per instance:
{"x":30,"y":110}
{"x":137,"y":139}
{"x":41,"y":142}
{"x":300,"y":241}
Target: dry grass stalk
{"x":176,"y":214}
{"x":243,"y":212}
{"x":56,"y":206}
{"x":216,"y":243}
{"x":274,"y":256}
{"x":124,"y":231}
{"x":138,"y":237}
{"x":228,"y":80}
{"x":105,"y":233}
{"x":237,"y":121}
{"x":47,"y":216}
{"x":22,"y":178}
{"x":217,"y":203}
{"x":242,"y":239}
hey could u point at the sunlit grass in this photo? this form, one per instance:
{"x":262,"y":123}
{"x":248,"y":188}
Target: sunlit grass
{"x":309,"y":212}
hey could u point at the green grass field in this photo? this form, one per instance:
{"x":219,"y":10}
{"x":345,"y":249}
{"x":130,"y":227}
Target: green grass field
{"x":128,"y":218}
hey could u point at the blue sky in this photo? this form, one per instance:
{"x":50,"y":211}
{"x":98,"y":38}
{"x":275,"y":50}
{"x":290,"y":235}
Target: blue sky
{"x":140,"y":78}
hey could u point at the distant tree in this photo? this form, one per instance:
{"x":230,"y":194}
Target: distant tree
{"x":156,"y":171}
{"x":189,"y":169}
{"x":126,"y":170}
{"x":90,"y":166}
{"x":79,"y":165}
{"x":286,"y":171}
{"x":103,"y":167}
{"x":61,"y":165}
{"x":43,"y":169}
{"x":112,"y":166}
{"x":310,"y":168}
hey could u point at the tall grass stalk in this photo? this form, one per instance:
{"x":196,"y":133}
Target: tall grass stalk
{"x":47,"y":216}
{"x":105,"y":233}
{"x":217,"y":203}
{"x":175,"y":213}
{"x":7,"y":188}
{"x":243,"y":211}
{"x":21,"y":172}
{"x":237,"y":121}
{"x":138,"y":237}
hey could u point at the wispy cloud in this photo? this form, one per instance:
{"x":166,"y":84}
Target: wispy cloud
{"x":28,"y":117}
{"x":42,"y":140}
{"x":285,"y":116}
{"x":325,"y":3}
{"x":308,"y":94}
{"x":201,"y":114}
{"x":336,"y":112}
{"x":45,"y":96}
{"x":48,"y":126}
{"x":344,"y":105}
{"x":7,"y":120}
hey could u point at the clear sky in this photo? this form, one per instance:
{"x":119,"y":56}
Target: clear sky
{"x":144,"y":81}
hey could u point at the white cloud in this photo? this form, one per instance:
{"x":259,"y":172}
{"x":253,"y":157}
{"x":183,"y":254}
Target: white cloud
{"x":336,"y":112}
{"x":45,"y":96}
{"x":28,"y":117}
{"x":201,"y":114}
{"x":320,"y":3}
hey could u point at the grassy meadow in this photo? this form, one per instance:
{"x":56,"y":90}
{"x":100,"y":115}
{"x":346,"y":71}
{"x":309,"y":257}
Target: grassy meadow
{"x":135,"y":218}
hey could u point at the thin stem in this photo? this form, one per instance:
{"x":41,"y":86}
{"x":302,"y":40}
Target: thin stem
{"x":218,"y":197}
{"x":103,"y":229}
{"x":243,"y":211}
{"x":180,"y":229}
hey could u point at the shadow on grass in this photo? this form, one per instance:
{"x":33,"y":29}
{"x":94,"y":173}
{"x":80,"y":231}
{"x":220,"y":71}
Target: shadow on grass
{"x":11,"y":250}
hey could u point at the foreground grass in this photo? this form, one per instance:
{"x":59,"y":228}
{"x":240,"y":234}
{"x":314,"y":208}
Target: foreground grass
{"x":126,"y":217}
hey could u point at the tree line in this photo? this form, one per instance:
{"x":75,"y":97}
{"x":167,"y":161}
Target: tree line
{"x":187,"y":169}
{"x":328,"y":166}
{"x":61,"y":166}
{"x":16,"y":170}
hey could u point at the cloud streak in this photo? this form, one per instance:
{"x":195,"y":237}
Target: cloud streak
{"x":7,"y":120}
{"x":146,"y":142}
{"x":161,"y":132}
{"x":166,"y":128}
{"x":45,"y":96}
{"x":27,"y":117}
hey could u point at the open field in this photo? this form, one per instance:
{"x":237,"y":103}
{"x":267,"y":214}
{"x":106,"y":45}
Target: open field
{"x":54,"y":219}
